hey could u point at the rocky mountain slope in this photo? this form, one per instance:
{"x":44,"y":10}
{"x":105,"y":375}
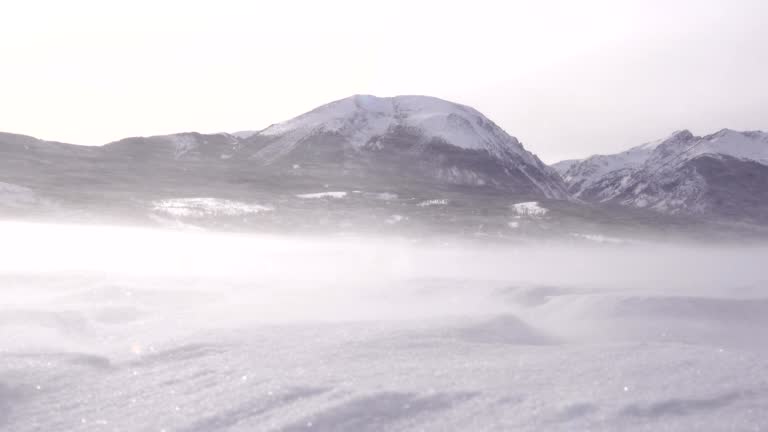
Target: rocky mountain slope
{"x":724,"y":175}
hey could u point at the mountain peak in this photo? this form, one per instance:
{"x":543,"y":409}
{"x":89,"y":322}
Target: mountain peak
{"x":360,"y":118}
{"x":682,"y":135}
{"x":412,"y":102}
{"x":357,"y":108}
{"x":462,"y":145}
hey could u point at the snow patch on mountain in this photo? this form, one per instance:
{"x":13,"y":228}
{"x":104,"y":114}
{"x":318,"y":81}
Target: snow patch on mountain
{"x":206,"y":207}
{"x":433,"y":202}
{"x":245,"y":134}
{"x":317,"y":195}
{"x":598,"y":238}
{"x":529,"y":209}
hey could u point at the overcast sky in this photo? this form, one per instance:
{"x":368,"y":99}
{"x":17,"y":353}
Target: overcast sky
{"x":568,"y":78}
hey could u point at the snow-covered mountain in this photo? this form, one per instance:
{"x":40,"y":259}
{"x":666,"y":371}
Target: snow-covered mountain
{"x":406,"y":139}
{"x":725,"y":173}
{"x":366,"y":162}
{"x":364,"y":119}
{"x":416,"y":136}
{"x":589,"y":175}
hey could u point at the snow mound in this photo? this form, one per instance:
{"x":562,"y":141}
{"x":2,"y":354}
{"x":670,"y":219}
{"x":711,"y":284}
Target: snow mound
{"x":121,"y":328}
{"x":206,"y":207}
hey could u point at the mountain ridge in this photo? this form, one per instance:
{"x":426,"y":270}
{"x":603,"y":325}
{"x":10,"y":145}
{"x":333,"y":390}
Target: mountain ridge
{"x":679,"y":174}
{"x":407,"y":149}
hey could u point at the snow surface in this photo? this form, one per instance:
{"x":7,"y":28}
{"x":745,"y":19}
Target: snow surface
{"x":107,"y":328}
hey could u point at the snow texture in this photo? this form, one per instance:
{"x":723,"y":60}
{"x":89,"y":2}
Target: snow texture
{"x":201,"y":332}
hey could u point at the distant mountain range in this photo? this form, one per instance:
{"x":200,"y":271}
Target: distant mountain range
{"x":404,"y":164}
{"x":723,"y":175}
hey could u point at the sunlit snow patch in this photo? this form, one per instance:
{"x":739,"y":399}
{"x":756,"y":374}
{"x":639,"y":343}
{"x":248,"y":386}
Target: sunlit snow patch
{"x":338,"y":194}
{"x":204,"y":207}
{"x":433,"y":202}
{"x":529,"y":209}
{"x":598,"y":238}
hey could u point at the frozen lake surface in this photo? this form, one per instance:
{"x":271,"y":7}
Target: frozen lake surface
{"x":127,"y":329}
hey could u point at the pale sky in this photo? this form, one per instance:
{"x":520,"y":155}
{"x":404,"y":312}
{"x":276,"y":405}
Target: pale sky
{"x":568,"y":78}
